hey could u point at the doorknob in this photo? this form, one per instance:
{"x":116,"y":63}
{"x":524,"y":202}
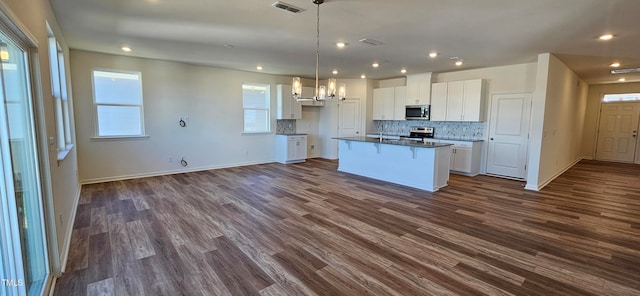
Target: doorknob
{"x":491,"y":139}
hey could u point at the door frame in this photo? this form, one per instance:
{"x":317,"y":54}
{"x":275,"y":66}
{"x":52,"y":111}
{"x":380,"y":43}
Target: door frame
{"x":484,"y":164}
{"x":17,"y":31}
{"x":636,"y":158}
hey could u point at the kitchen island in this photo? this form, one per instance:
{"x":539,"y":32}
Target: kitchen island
{"x":418,"y":164}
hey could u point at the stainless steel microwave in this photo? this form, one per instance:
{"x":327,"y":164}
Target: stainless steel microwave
{"x":417,"y":112}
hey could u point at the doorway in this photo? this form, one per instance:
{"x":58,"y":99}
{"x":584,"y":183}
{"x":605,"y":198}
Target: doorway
{"x":618,"y":132}
{"x":349,"y":118}
{"x":23,"y":248}
{"x":509,"y":135}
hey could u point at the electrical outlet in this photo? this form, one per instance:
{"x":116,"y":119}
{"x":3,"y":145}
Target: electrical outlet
{"x":246,"y":153}
{"x":170,"y":159}
{"x":313,"y":147}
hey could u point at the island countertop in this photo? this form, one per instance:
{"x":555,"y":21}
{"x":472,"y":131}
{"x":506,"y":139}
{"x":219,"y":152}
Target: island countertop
{"x":400,"y":142}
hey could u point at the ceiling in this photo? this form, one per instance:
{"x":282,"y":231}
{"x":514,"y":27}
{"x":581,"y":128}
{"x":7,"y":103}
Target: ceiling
{"x":249,"y":33}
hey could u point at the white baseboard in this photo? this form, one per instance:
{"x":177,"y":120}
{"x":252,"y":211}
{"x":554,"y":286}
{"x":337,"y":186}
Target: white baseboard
{"x":539,"y":187}
{"x":171,"y":172}
{"x":67,"y":238}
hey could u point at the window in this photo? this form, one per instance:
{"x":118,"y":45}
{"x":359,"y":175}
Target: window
{"x":621,"y":98}
{"x":64,"y":139}
{"x":117,"y":96}
{"x":256,"y":101}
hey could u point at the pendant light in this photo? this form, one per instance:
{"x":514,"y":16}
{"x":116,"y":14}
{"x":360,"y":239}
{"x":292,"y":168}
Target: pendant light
{"x":321,"y":93}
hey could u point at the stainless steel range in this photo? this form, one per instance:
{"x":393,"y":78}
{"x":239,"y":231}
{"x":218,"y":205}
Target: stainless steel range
{"x":421,"y":133}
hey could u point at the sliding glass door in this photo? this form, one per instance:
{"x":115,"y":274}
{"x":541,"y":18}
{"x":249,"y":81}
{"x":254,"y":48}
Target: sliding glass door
{"x":23,"y":249}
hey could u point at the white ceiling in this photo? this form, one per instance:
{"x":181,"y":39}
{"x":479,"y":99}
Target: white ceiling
{"x":483,"y":33}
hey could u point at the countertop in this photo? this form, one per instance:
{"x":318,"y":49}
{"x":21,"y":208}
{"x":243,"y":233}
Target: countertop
{"x":399,"y":142}
{"x":281,"y":134}
{"x":396,"y":137}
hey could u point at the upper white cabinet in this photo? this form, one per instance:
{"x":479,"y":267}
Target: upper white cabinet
{"x":383,"y":103}
{"x":389,"y":103}
{"x":418,"y":89}
{"x":288,"y":108}
{"x":473,"y":102}
{"x":400,"y":95}
{"x":458,"y":101}
{"x":438,"y":107}
{"x":309,"y":92}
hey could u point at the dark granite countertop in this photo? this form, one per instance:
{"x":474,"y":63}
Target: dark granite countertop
{"x":400,"y":142}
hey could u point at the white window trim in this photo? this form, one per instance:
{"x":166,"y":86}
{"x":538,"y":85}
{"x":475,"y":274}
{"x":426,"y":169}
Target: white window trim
{"x":143,"y":134}
{"x":268,"y":109}
{"x":64,"y":139}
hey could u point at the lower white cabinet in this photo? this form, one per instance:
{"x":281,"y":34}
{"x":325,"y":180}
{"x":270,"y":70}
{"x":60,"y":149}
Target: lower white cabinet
{"x":465,"y":156}
{"x":291,"y":148}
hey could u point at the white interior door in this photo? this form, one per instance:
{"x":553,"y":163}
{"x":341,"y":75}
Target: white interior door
{"x":618,"y":132}
{"x":509,"y":135}
{"x":349,"y":116}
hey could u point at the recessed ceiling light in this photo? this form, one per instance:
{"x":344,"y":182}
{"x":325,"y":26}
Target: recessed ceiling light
{"x":259,"y":67}
{"x":606,"y":37}
{"x":433,"y":54}
{"x":335,"y":72}
{"x":126,"y":48}
{"x":341,"y":44}
{"x":615,"y":65}
{"x":622,"y":80}
{"x":375,"y":65}
{"x":363,"y":76}
{"x":456,"y":60}
{"x":403,"y":71}
{"x":229,"y":46}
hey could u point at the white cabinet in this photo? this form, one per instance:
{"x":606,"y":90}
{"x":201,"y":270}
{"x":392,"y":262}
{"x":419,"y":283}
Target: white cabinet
{"x":291,"y":148}
{"x":455,"y":98}
{"x":310,"y":92}
{"x":458,"y":101}
{"x":418,"y":89}
{"x":383,"y":103}
{"x":288,"y":108}
{"x":438,"y":107}
{"x":388,"y":103}
{"x":400,"y":95}
{"x":473,"y":102}
{"x":465,"y":156}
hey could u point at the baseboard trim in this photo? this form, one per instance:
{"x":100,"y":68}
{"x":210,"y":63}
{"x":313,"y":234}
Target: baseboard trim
{"x":545,"y":183}
{"x":171,"y":172}
{"x":67,"y":239}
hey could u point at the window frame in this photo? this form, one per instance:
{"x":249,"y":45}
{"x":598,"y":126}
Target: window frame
{"x":267,"y":98}
{"x":97,"y":136}
{"x":61,"y":107}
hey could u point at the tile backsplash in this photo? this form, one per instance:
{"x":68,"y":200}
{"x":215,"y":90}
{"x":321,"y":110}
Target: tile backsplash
{"x":442,"y":129}
{"x":286,"y":126}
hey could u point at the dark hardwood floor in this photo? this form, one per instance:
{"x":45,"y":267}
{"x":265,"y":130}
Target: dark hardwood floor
{"x":306,"y":229}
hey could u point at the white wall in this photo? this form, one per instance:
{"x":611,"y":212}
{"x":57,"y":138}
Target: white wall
{"x":558,"y":116}
{"x":309,"y":124}
{"x":596,"y":92}
{"x":63,"y":186}
{"x":210,"y":97}
{"x":356,"y":89}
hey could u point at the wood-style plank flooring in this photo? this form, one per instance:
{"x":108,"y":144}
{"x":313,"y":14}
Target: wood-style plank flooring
{"x":306,"y":229}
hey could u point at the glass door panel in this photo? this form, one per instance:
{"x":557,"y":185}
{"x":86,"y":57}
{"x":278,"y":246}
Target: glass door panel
{"x":22,"y":154}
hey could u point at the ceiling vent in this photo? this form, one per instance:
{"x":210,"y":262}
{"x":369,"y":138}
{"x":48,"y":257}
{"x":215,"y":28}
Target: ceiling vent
{"x":625,"y":71}
{"x":286,"y":6}
{"x":371,"y":41}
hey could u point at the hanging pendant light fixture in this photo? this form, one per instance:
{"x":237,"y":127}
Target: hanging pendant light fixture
{"x":322,"y":93}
